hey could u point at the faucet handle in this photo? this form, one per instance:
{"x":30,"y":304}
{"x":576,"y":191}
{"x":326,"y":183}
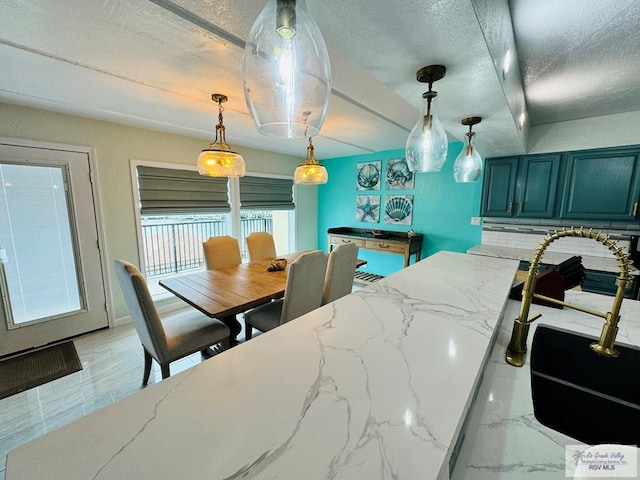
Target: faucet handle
{"x":532,"y":319}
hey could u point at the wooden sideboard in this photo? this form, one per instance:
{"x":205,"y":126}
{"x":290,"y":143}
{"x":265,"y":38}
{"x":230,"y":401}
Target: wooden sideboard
{"x":400,"y":243}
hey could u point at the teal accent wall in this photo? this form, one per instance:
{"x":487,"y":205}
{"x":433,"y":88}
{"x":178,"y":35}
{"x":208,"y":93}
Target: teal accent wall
{"x":442,"y":208}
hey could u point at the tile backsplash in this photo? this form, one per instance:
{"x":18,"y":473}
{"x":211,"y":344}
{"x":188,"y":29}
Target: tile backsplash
{"x":529,"y":238}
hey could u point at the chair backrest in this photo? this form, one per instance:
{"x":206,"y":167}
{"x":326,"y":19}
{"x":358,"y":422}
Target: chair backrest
{"x":142,"y":309}
{"x":220,"y":252}
{"x":261,"y":245}
{"x":303,"y":292}
{"x":340,"y":270}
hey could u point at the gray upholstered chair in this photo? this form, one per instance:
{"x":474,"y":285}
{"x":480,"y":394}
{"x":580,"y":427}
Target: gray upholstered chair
{"x":303,"y":293}
{"x":220,"y":252}
{"x":172,"y":337}
{"x":340,"y":270}
{"x":261,"y":245}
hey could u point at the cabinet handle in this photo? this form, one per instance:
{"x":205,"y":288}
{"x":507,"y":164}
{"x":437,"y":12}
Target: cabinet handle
{"x":635,"y":209}
{"x":345,"y":241}
{"x":382,"y":245}
{"x":520,"y":207}
{"x":510,"y":207}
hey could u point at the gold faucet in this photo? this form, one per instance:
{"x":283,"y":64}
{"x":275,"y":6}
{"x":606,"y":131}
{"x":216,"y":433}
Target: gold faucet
{"x":517,"y":350}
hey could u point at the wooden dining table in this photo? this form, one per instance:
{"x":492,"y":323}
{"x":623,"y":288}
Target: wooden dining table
{"x":225,"y":292}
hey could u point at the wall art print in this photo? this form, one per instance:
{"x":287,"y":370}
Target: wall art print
{"x":368,"y":208}
{"x":368,"y":175}
{"x":398,"y":209}
{"x":398,"y":175}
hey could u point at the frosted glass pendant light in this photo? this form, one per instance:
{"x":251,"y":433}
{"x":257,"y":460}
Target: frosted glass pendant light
{"x":219,"y":160}
{"x":427,"y":143}
{"x":468,"y":165}
{"x":286,"y":71}
{"x":310,"y":172}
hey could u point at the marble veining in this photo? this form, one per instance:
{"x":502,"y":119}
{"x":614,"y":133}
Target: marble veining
{"x":374,"y":385}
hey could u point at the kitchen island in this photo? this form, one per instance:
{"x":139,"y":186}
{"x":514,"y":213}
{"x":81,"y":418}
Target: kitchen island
{"x":504,"y":441}
{"x":376,"y":385}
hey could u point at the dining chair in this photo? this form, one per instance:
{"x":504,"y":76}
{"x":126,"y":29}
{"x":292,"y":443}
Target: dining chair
{"x":261,"y":245}
{"x":174,"y":336}
{"x":302,"y":294}
{"x":341,"y":268}
{"x":222,"y":251}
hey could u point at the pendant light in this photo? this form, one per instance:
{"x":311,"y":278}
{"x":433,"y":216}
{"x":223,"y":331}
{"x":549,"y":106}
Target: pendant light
{"x":310,"y":172}
{"x":468,"y":165}
{"x":286,"y":71}
{"x":219,"y":160}
{"x":427,"y":143}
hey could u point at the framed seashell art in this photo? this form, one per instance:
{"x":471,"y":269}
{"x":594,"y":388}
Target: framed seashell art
{"x":398,"y":209}
{"x":368,"y":208}
{"x":398,"y":175}
{"x":368,"y":175}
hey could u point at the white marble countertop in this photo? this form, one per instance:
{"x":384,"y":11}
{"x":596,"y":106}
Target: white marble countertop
{"x":603,"y":264}
{"x":373,"y":386}
{"x":504,"y":441}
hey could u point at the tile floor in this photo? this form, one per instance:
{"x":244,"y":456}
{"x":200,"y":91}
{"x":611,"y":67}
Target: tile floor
{"x":112,"y":365}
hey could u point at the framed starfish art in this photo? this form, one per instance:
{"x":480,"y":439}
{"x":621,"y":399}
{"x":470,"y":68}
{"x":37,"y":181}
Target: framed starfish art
{"x":368,"y":208}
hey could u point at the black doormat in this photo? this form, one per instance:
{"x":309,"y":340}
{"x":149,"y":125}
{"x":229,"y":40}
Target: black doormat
{"x":29,"y":370}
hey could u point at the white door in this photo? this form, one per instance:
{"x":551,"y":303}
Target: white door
{"x":51,"y":278}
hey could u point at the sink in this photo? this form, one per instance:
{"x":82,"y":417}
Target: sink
{"x":589,"y":397}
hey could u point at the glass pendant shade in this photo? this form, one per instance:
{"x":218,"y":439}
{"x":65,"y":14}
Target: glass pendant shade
{"x":468,"y":165}
{"x":427,"y":144}
{"x":218,"y":163}
{"x":310,"y":172}
{"x":286,"y":71}
{"x":219,"y":160}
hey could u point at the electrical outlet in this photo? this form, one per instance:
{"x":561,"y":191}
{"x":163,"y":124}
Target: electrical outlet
{"x":475,"y":220}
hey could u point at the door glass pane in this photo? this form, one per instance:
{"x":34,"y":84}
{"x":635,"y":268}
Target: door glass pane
{"x":40,"y":271}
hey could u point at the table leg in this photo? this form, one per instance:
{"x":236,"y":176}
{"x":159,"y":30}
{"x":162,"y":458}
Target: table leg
{"x":235,"y":326}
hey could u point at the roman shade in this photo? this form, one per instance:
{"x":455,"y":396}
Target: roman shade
{"x":259,"y":193}
{"x":171,"y":191}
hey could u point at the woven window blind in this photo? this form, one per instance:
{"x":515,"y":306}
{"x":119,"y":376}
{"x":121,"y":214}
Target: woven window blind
{"x":258,"y":193}
{"x":170,"y":191}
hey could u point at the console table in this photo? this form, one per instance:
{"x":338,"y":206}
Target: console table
{"x":380,"y":241}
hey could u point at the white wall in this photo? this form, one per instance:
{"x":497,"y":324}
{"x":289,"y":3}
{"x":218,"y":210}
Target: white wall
{"x":115,"y":145}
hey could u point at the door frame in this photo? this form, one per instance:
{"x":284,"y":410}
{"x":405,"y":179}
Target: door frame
{"x":97,"y":207}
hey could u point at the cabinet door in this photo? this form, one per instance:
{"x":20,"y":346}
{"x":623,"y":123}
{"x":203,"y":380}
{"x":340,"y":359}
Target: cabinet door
{"x":538,"y":182}
{"x":499,"y":187}
{"x":601,"y":185}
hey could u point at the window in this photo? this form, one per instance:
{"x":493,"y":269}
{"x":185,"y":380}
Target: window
{"x":180,"y":209}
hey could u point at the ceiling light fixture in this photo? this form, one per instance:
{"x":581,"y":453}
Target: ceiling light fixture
{"x":310,"y":172}
{"x":427,"y":143}
{"x":286,"y":71}
{"x":468,"y":166}
{"x":219,"y":160}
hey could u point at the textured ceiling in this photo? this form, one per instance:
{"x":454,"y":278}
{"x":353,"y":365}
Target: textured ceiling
{"x":155,"y":63}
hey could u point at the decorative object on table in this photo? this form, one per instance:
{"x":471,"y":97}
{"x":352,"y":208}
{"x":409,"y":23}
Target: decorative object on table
{"x":399,"y":176}
{"x":277,"y":265}
{"x":398,"y":209}
{"x":368,"y":176}
{"x":368,"y":208}
{"x":29,"y":370}
{"x":219,"y":160}
{"x":426,"y":149}
{"x":286,"y":71}
{"x":468,"y":165}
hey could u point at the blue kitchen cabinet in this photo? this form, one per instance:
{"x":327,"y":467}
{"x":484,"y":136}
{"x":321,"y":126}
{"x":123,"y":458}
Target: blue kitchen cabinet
{"x":521,"y":186}
{"x":602,"y":185}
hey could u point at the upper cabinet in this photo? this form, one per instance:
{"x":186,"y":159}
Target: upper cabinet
{"x":602,"y":185}
{"x":595,"y":185}
{"x":521,"y":186}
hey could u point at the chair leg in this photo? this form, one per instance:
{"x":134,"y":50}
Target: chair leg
{"x":164,"y":368}
{"x":225,"y":344}
{"x":147,"y":367}
{"x":248,"y":331}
